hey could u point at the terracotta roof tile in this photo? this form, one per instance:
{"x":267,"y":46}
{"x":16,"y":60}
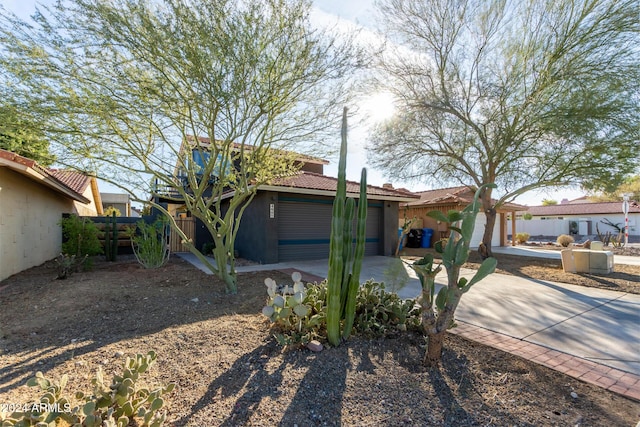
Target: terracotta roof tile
{"x":314,"y":181}
{"x":77,"y":181}
{"x":50,"y":174}
{"x":461,"y":195}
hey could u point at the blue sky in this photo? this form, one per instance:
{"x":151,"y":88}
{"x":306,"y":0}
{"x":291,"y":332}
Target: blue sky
{"x":354,"y":12}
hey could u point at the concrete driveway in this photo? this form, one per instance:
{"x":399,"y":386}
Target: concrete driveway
{"x":593,"y":324}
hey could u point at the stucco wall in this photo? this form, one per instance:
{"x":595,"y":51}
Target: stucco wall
{"x":86,"y":210}
{"x":478,"y":231}
{"x":29,"y":216}
{"x":586,"y":223}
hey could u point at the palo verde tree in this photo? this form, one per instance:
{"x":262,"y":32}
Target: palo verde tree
{"x":630,"y":186}
{"x":142,"y":92}
{"x":22,"y":134}
{"x":525,"y":94}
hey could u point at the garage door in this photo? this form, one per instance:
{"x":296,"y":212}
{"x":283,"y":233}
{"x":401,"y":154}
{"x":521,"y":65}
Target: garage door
{"x":304,"y":228}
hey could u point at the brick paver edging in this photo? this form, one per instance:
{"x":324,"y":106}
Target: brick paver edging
{"x":615,"y":380}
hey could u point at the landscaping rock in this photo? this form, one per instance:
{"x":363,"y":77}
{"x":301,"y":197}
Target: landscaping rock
{"x":315,"y":346}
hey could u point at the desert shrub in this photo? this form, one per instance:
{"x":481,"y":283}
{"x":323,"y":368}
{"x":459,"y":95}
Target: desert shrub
{"x":67,"y":265}
{"x":564,"y":240}
{"x":150,"y":243}
{"x":81,"y":238}
{"x":522,"y":237}
{"x":299,"y":312}
{"x":121,"y":403}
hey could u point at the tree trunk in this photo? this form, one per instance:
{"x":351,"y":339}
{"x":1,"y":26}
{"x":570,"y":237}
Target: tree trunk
{"x":490,"y":215}
{"x":224,"y":272}
{"x":433,"y":355}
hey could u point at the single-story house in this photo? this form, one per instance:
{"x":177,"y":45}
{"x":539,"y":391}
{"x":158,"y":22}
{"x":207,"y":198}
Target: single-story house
{"x":32,"y":201}
{"x":579,"y":218}
{"x":120,"y":201}
{"x":290,"y":219}
{"x":456,"y":198}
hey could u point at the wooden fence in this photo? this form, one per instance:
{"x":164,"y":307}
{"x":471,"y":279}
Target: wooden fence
{"x":188,"y":227}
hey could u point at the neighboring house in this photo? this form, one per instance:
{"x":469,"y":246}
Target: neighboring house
{"x":290,"y":219}
{"x":81,"y":184}
{"x":32,"y":201}
{"x":457,"y":198}
{"x":122,"y":202}
{"x":579,"y":218}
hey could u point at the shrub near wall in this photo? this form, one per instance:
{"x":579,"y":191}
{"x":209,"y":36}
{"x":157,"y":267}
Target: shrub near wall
{"x":81,"y":237}
{"x":564,"y":240}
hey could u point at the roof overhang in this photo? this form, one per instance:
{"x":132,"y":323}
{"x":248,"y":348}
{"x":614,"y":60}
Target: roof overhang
{"x":33,"y":173}
{"x":506,"y":208}
{"x":329,"y":193}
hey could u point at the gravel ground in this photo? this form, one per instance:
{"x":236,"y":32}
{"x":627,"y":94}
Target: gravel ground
{"x":229,"y":371}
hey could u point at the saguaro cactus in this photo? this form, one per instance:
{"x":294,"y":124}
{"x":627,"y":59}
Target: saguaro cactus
{"x":111,"y":237}
{"x":345,"y":263}
{"x":438,"y":313}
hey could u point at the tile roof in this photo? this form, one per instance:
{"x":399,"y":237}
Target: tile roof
{"x":442,"y":195}
{"x":77,"y":181}
{"x":314,"y":181}
{"x":461,"y":195}
{"x":13,"y":157}
{"x":46,"y":175}
{"x":583,"y":208}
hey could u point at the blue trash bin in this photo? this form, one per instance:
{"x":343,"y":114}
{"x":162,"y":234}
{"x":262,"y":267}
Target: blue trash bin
{"x":400,"y":237}
{"x":426,"y":237}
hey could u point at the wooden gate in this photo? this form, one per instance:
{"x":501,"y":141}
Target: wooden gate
{"x":188,"y":227}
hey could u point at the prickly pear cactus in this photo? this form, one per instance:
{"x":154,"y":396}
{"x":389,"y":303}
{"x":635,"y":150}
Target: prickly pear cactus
{"x":113,"y":405}
{"x":288,"y":301}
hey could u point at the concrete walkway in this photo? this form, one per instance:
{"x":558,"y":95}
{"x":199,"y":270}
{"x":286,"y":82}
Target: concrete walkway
{"x":588,"y":333}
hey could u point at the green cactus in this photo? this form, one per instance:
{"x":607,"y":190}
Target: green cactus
{"x":111,"y":237}
{"x":343,"y":278}
{"x":438,"y":313}
{"x":107,"y":238}
{"x":297,"y":312}
{"x":114,"y":245}
{"x":114,"y":405}
{"x":288,"y":307}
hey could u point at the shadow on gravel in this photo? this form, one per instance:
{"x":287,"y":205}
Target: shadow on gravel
{"x":247,"y":372}
{"x":45,"y":322}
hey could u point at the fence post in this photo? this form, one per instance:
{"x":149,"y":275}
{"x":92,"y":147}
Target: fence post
{"x":114,"y":248}
{"x":107,"y":238}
